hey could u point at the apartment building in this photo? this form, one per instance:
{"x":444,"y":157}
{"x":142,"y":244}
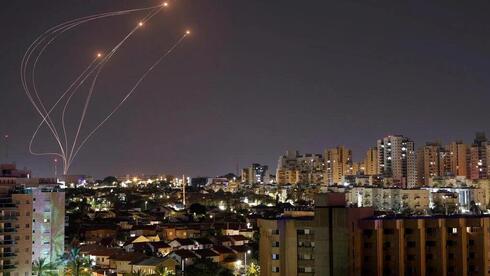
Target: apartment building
{"x":32,"y":220}
{"x":337,"y":240}
{"x":338,"y":163}
{"x":396,"y":160}
{"x":312,"y":243}
{"x":293,"y":168}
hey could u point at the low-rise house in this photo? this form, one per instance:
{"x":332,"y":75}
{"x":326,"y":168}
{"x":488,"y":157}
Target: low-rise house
{"x":170,"y":264}
{"x":208,"y":254}
{"x":222,"y":240}
{"x":239,"y":240}
{"x":183,"y":256}
{"x":204,"y":243}
{"x":122,"y":262}
{"x":188,"y":244}
{"x":147,"y":265}
{"x":94,"y":235}
{"x":143,"y":230}
{"x":224,"y":252}
{"x":171,"y":233}
{"x":101,"y":257}
{"x":139,"y":239}
{"x":160,"y":248}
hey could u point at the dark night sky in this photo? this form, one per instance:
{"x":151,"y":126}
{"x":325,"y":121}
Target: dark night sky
{"x":254,"y":79}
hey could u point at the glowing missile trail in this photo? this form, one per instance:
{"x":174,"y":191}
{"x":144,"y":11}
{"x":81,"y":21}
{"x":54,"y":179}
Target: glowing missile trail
{"x":57,"y":30}
{"x":145,"y":74}
{"x":69,"y":150}
{"x":94,"y":81}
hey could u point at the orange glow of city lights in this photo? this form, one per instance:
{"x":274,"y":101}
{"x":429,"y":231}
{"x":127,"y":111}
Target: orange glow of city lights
{"x":99,"y":55}
{"x":187,"y":32}
{"x":165,"y":4}
{"x":140,"y":23}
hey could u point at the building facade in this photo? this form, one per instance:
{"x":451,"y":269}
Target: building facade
{"x":396,"y":160}
{"x":338,"y":163}
{"x":337,"y":240}
{"x":293,"y":168}
{"x":32,"y":219}
{"x":256,"y":173}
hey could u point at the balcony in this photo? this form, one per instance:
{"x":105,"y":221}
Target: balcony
{"x":8,"y":206}
{"x":7,"y":255}
{"x":7,"y":218}
{"x":7,"y":230}
{"x":7,"y":243}
{"x":7,"y":268}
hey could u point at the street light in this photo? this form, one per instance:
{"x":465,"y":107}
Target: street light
{"x":246,"y":253}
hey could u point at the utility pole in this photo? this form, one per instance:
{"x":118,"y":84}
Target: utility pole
{"x":183,"y":190}
{"x":6,"y":138}
{"x":55,"y":168}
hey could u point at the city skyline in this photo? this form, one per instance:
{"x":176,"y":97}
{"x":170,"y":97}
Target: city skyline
{"x":247,"y":88}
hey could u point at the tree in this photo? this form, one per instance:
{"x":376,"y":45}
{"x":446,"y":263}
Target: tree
{"x":138,"y":273}
{"x":206,"y":267}
{"x":110,"y":180}
{"x":197,"y":208}
{"x":42,"y":267}
{"x":76,"y":264}
{"x":163,"y":271}
{"x":253,"y":270}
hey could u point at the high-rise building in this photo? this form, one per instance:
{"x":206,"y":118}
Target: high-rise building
{"x":294,"y":168}
{"x":396,"y":160}
{"x":445,"y":162}
{"x":32,"y":217}
{"x":338,"y":162}
{"x":478,"y":157}
{"x":256,"y":173}
{"x":430,"y":162}
{"x":370,"y":162}
{"x":458,"y":152}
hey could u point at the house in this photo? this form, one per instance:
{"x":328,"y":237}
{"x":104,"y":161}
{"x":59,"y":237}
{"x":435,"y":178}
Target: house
{"x":239,"y":240}
{"x":184,"y":256}
{"x":100,"y":257}
{"x":208,"y":254}
{"x":147,"y":265}
{"x":223,"y":240}
{"x":204,"y":243}
{"x":224,"y":252}
{"x":170,"y":264}
{"x":160,"y":248}
{"x":96,"y":234}
{"x":184,"y":244}
{"x":121,"y":262}
{"x":143,"y":230}
{"x":171,"y":233}
{"x":142,"y":239}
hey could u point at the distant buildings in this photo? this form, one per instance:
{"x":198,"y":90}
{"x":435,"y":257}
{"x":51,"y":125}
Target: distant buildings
{"x":255,"y":174}
{"x":338,"y":164}
{"x":478,"y":157}
{"x":369,"y":165}
{"x":431,"y":162}
{"x":458,"y":152}
{"x":393,"y":162}
{"x":396,"y":160}
{"x":294,"y":168}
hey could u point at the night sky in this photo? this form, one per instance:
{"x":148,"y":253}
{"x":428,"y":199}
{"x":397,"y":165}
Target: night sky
{"x":254,"y":79}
